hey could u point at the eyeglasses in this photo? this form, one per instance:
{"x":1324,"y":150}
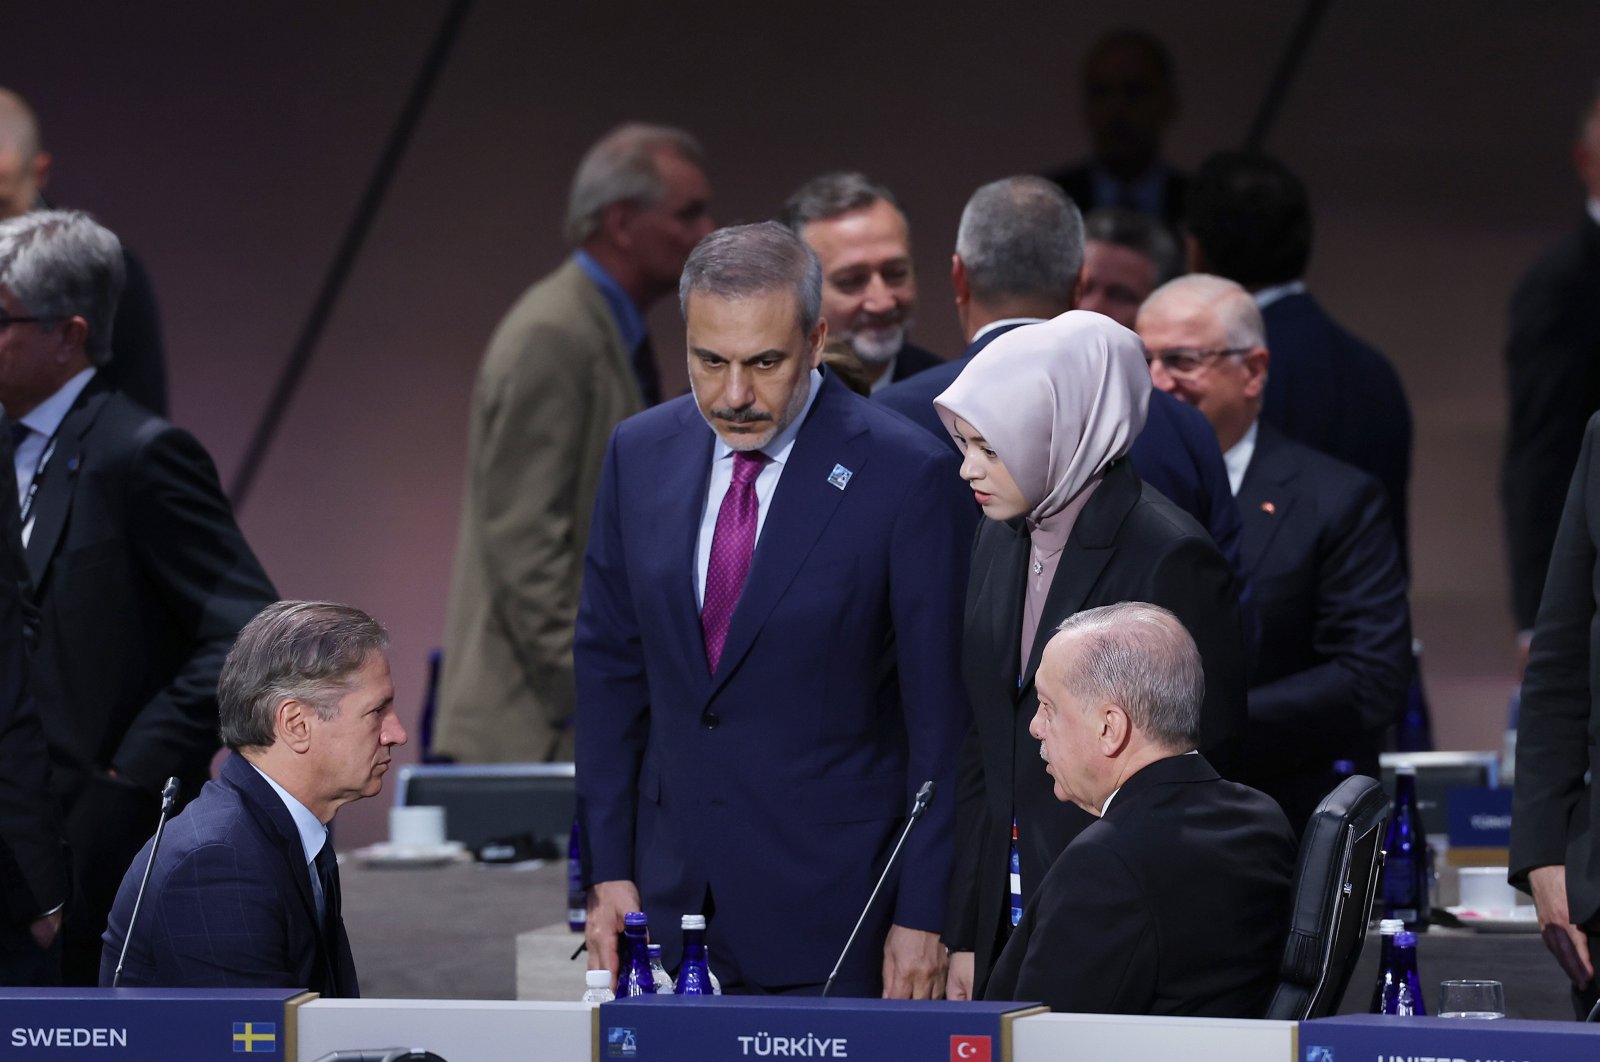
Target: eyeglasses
{"x":1186,"y":361}
{"x":6,"y":320}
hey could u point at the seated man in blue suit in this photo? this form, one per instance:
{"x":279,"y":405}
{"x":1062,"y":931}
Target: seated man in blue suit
{"x":1019,"y":259}
{"x":1331,"y":672}
{"x":244,"y":891}
{"x":766,"y":651}
{"x":1177,"y":899}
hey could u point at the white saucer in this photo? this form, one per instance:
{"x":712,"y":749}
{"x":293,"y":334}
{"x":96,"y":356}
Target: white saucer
{"x":387,"y":854}
{"x":1499,"y":920}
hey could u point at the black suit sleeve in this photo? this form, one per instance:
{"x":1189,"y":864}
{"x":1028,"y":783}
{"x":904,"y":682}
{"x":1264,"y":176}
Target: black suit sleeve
{"x":211,"y":585}
{"x":1362,"y":635}
{"x":138,"y":361}
{"x":1091,"y":945}
{"x":1550,"y":366}
{"x":1553,"y":727}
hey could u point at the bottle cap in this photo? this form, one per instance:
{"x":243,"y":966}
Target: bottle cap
{"x":654,"y":950}
{"x":597,"y":978}
{"x":694,"y":921}
{"x":1391,"y":925}
{"x":635,"y":918}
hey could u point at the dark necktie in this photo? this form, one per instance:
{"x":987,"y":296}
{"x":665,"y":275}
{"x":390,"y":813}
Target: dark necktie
{"x":644,"y":367}
{"x":731,"y":547}
{"x":333,"y":924}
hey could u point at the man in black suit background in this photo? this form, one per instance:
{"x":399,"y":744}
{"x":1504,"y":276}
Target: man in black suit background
{"x":1019,"y":259}
{"x":1330,"y":674}
{"x":140,"y":575}
{"x":33,"y":868}
{"x":244,"y":892}
{"x":1554,"y":854}
{"x":1553,"y":372}
{"x":869,"y":286}
{"x":1176,"y":900}
{"x":1130,"y":97}
{"x":1248,"y":218}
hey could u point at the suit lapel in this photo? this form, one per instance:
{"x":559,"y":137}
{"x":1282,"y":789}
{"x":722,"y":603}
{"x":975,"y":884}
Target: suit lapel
{"x":53,"y":501}
{"x":833,"y":434}
{"x":994,"y":609}
{"x":1265,"y":496}
{"x":1089,"y":548}
{"x":684,"y":474}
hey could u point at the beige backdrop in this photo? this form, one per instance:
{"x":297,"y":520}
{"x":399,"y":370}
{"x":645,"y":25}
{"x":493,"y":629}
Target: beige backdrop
{"x":228,"y":143}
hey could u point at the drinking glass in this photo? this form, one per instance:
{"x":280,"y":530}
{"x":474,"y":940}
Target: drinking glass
{"x":1472,"y":999}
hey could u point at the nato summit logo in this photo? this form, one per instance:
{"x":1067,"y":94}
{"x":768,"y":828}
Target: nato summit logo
{"x":253,"y":1037}
{"x":1318,"y":1053}
{"x":621,"y":1042}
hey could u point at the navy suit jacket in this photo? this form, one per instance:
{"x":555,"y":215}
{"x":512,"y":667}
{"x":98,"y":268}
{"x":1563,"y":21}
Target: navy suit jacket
{"x":1337,"y":394}
{"x":1176,"y":902}
{"x":1335,"y":656}
{"x":229,"y":904}
{"x":1176,"y":453}
{"x":778,"y":783}
{"x":912,"y":360}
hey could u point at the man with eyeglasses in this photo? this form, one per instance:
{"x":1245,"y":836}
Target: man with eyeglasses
{"x":140,"y":576}
{"x":1334,"y":659}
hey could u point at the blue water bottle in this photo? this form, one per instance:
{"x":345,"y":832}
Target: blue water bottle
{"x":694,"y":975}
{"x":1405,"y":868}
{"x":1399,"y":987}
{"x":577,"y":900}
{"x":634,"y":976}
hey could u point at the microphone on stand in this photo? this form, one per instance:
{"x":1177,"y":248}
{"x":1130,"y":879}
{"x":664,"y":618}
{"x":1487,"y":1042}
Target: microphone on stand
{"x":169,"y":798}
{"x":924,"y":798}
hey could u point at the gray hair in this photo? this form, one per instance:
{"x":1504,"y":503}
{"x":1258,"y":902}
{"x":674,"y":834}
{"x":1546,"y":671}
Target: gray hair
{"x":293,"y":650}
{"x":1139,"y":656}
{"x":62,"y":263}
{"x":1139,"y":233}
{"x":1237,"y":312}
{"x":744,"y":260}
{"x":831,"y":195}
{"x":1021,"y":236}
{"x":621,"y":167}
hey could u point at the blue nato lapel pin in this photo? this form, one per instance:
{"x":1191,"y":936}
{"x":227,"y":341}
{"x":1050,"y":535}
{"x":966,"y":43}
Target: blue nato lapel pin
{"x":840,"y":476}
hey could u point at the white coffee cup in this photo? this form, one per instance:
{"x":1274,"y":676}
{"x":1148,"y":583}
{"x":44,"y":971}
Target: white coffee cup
{"x":1486,"y":889}
{"x":418,"y":826}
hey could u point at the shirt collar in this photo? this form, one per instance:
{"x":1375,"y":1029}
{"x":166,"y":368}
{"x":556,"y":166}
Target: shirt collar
{"x":1238,"y":457}
{"x":777,"y":451}
{"x":1107,"y":805}
{"x":313,"y":834}
{"x":1593,"y":206}
{"x":1272,"y":293}
{"x":630,"y":322}
{"x":1147,"y":190}
{"x":46,"y":417}
{"x":1009,"y":322}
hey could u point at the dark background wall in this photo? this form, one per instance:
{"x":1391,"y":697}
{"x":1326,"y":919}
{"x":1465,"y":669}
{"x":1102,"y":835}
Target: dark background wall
{"x":229,"y":143}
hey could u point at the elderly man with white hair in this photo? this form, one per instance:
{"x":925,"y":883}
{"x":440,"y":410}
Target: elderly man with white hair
{"x":1334,"y":658}
{"x":1176,"y":901}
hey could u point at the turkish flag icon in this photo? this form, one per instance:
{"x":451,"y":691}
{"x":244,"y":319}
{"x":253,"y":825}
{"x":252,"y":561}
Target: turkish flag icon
{"x":969,"y":1049}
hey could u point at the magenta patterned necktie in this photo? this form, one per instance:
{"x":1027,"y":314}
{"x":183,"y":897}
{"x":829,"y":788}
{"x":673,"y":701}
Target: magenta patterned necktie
{"x":731,"y":548}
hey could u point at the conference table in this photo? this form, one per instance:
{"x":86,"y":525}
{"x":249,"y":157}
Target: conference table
{"x":452,"y":932}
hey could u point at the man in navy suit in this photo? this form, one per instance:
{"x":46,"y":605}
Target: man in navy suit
{"x":766,"y":651}
{"x":1019,"y":259}
{"x":1335,"y":655}
{"x":244,"y":891}
{"x":1248,"y":218}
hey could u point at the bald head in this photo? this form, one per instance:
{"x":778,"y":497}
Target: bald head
{"x":24,"y":166}
{"x":1207,"y":346}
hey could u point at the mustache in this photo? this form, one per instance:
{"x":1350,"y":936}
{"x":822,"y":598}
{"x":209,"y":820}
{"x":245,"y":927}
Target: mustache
{"x":747,"y":415}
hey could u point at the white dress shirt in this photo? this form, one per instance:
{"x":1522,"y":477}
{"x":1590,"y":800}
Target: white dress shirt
{"x":777,"y":452}
{"x":1238,"y":456}
{"x":313,"y":834}
{"x":1269,"y":295}
{"x":44,"y":420}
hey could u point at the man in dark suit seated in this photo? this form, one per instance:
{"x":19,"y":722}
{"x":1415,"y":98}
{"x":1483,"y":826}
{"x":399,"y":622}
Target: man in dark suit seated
{"x":244,"y":891}
{"x":869,"y":286}
{"x":1335,"y":654}
{"x":1177,"y":900}
{"x":1019,"y":258}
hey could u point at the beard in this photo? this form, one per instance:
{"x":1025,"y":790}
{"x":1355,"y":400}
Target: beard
{"x":876,"y":343}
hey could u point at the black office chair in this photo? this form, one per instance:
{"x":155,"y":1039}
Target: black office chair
{"x":1341,"y":856}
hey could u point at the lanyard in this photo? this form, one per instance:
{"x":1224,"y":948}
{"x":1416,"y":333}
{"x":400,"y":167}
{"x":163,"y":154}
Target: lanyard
{"x":33,"y":485}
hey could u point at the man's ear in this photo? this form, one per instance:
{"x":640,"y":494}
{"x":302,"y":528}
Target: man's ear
{"x":616,"y":223}
{"x":818,"y":339}
{"x":75,"y":333}
{"x":1195,"y":255}
{"x":293,"y":725}
{"x":41,"y":170}
{"x":958,"y":280}
{"x":1115,"y":729}
{"x":1255,"y":367}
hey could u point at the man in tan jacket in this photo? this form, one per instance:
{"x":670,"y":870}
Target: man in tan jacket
{"x":569,"y":361}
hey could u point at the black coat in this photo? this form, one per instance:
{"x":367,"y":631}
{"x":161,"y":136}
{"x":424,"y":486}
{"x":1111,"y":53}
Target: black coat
{"x":1176,"y":902}
{"x":1128,"y":544}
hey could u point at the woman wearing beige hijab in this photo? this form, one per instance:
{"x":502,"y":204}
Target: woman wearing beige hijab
{"x":1044,"y":417}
